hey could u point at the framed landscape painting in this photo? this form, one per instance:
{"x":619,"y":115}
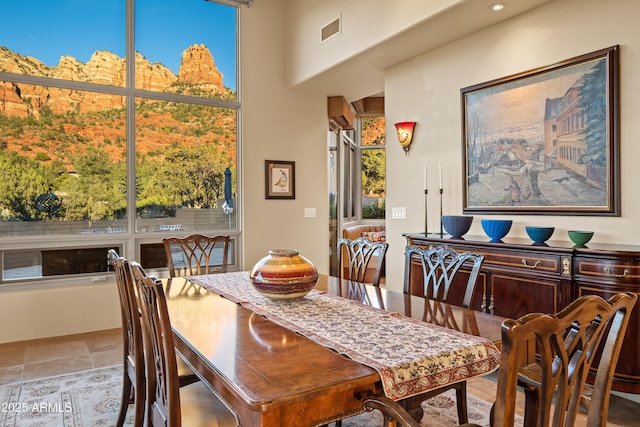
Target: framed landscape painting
{"x":544,"y":141}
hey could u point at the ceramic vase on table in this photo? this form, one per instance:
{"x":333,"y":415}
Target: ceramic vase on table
{"x":284,"y":274}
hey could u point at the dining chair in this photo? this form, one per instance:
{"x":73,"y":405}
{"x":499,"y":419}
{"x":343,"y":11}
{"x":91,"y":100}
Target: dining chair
{"x":439,"y":266}
{"x":559,"y":351}
{"x":355,"y":258}
{"x":197,"y":254}
{"x":356,"y":255}
{"x":392,"y":413}
{"x":133,"y":385}
{"x":565,"y":345}
{"x":168,"y":404}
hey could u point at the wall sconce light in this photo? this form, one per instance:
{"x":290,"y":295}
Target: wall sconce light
{"x":405,"y":134}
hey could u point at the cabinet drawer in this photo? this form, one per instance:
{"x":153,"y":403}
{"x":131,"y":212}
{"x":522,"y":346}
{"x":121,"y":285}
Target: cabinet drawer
{"x":514,"y":296}
{"x":612,"y":269}
{"x":529,"y":261}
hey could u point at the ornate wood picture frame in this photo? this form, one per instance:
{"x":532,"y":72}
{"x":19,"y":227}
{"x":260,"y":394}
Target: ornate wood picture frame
{"x":280,"y":179}
{"x":544,"y":141}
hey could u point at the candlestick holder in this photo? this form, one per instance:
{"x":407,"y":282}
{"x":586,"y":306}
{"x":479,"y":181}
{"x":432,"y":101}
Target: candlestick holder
{"x":426,"y":226}
{"x":441,"y":230}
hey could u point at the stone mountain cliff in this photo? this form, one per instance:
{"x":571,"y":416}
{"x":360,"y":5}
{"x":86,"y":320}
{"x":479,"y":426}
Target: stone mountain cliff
{"x":198,"y":74}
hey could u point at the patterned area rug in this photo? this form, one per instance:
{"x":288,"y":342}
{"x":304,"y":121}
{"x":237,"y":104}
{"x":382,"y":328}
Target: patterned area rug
{"x":439,"y":411}
{"x":83,"y":399}
{"x":92,"y":398}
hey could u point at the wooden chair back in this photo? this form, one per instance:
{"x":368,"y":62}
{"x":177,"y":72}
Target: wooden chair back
{"x":133,"y":355}
{"x":163,"y":397}
{"x":566,"y":345}
{"x":440,"y":264}
{"x":197,"y":254}
{"x":355,"y":257}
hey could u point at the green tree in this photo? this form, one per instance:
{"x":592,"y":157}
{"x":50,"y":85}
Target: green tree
{"x":21,"y":182}
{"x":373,"y":172}
{"x":593,"y":103}
{"x":196,"y":173}
{"x":97,"y":190}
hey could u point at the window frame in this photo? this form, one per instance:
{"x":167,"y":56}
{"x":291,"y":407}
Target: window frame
{"x":350,"y":176}
{"x":131,"y":240}
{"x":361,"y":149}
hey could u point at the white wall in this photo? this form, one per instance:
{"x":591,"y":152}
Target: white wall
{"x":277,"y":124}
{"x":376,"y":35}
{"x":51,"y":312}
{"x":280,"y":124}
{"x":359,"y":29}
{"x":427,"y":89}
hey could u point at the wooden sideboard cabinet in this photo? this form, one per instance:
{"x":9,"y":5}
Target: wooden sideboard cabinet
{"x":605,"y":271}
{"x":518,"y":277}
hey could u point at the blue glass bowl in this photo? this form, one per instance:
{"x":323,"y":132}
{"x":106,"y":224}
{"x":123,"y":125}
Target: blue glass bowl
{"x":539,"y":235}
{"x":496,"y":229}
{"x":456,"y":225}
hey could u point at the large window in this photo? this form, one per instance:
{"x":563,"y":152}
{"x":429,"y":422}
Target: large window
{"x":118,"y":127}
{"x":363,"y":170}
{"x":373,"y":163}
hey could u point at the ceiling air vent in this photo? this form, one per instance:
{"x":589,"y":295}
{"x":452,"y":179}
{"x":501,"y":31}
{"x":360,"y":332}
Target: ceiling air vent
{"x":332,"y":29}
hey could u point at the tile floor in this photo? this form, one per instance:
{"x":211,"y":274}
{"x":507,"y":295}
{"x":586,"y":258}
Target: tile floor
{"x":28,"y":360}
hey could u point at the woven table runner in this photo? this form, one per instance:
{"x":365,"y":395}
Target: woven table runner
{"x":410,"y":355}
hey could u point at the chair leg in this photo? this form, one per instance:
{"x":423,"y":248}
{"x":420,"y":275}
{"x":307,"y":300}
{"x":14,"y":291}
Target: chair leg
{"x":127,"y":389}
{"x":185,"y":375}
{"x":461,"y":400}
{"x":185,"y":380}
{"x":531,"y":406}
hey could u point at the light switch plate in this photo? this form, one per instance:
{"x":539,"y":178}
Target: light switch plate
{"x":309,"y":212}
{"x":399,"y":213}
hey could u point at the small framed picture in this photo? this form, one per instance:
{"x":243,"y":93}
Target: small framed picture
{"x":280,"y":179}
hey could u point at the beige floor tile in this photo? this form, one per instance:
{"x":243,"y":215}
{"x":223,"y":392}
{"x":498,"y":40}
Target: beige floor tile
{"x":107,"y":358}
{"x":49,"y":351}
{"x":104,"y":340}
{"x":11,"y":374}
{"x":11,"y":354}
{"x":56,"y":367}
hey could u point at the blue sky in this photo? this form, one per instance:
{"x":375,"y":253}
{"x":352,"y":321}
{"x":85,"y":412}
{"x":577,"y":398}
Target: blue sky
{"x":49,"y":29}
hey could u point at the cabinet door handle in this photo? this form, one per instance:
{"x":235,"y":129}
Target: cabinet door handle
{"x":536,"y":264}
{"x":626,"y":271}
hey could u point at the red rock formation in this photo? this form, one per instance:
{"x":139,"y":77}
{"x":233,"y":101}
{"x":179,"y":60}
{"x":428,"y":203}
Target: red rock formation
{"x":10,"y":102}
{"x":154,"y":77}
{"x":197,"y":71}
{"x":197,"y":67}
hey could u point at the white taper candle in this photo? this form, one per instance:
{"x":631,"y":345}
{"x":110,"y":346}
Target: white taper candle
{"x":425,"y":176}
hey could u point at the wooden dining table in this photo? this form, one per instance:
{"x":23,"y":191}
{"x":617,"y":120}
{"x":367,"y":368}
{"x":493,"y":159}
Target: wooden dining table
{"x":272,"y":376}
